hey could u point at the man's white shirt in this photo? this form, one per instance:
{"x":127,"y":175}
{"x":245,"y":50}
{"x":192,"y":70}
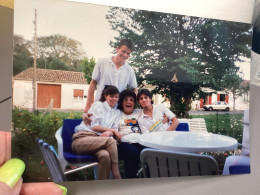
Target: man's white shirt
{"x":106,"y":73}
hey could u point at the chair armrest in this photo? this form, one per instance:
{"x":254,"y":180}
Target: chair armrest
{"x":59,"y":142}
{"x":81,"y":168}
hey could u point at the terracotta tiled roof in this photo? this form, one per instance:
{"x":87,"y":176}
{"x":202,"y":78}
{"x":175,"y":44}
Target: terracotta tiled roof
{"x":57,"y":76}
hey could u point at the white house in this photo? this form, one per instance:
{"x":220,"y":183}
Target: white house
{"x":62,"y":90}
{"x":241,"y":102}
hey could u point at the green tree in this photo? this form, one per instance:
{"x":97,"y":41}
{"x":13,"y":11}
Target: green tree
{"x":61,"y":47}
{"x":54,"y":52}
{"x":180,"y":55}
{"x":88,"y":66}
{"x":22,"y":56}
{"x":233,"y":84}
{"x":51,"y":63}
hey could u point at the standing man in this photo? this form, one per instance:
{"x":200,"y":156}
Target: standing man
{"x":112,"y":71}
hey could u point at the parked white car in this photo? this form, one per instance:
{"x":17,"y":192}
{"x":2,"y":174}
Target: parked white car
{"x":220,"y":105}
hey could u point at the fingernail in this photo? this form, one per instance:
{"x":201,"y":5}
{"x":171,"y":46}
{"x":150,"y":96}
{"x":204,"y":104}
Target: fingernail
{"x":11,"y":171}
{"x":64,"y":190}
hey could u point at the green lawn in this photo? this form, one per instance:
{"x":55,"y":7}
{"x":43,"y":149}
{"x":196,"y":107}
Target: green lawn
{"x":224,"y":124}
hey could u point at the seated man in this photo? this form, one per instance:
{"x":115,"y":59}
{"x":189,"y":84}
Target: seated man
{"x":151,"y":119}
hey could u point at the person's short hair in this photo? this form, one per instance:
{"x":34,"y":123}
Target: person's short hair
{"x":108,"y":90}
{"x":123,"y":95}
{"x":128,"y":43}
{"x":145,"y":92}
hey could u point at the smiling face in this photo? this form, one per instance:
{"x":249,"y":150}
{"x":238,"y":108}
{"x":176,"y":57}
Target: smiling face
{"x":144,"y":101}
{"x":123,"y":53}
{"x":112,"y":100}
{"x":128,"y":105}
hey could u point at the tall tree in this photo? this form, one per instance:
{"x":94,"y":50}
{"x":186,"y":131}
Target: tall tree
{"x":22,"y":56}
{"x":178,"y":54}
{"x":88,"y":66}
{"x":234,"y":83}
{"x":52,"y":63}
{"x":60,"y":47}
{"x":54,"y":52}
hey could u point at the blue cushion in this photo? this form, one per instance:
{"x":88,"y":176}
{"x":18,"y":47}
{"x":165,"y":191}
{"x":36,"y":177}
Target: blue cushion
{"x":182,"y":127}
{"x":67,"y":133}
{"x":239,"y":169}
{"x":70,"y":157}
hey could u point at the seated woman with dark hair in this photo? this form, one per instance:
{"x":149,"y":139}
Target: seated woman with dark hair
{"x":130,"y":150}
{"x":151,"y":119}
{"x":128,"y":125}
{"x":97,"y":138}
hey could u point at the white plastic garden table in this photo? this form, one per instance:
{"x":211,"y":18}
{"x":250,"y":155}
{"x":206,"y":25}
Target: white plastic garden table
{"x":192,"y":142}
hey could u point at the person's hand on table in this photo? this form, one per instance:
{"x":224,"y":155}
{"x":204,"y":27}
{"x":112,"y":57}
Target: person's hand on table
{"x":11,"y":171}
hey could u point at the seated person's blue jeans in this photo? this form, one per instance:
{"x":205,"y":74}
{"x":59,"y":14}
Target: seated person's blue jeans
{"x":130,"y":154}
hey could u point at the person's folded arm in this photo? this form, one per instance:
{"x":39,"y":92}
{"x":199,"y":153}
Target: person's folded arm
{"x":112,"y":132}
{"x":174,"y":125}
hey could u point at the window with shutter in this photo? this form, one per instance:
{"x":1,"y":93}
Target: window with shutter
{"x":78,"y":94}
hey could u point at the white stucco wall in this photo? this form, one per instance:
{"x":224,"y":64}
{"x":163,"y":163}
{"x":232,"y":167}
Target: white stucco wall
{"x":240,"y":104}
{"x":159,"y":99}
{"x":23,"y":95}
{"x":67,"y":98}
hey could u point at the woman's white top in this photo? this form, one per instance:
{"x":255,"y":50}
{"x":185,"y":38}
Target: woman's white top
{"x":103,"y":115}
{"x":125,"y":126}
{"x":127,"y":121}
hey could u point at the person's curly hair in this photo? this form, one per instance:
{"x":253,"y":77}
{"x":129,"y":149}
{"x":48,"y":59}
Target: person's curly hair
{"x":123,"y":95}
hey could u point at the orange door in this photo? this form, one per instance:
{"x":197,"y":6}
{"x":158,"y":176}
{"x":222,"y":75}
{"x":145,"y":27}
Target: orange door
{"x":210,"y":99}
{"x":46,"y":92}
{"x":201,"y":103}
{"x":226,"y":98}
{"x":218,"y":97}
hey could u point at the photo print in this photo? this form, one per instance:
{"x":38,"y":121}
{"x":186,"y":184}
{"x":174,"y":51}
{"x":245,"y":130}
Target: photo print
{"x":193,"y":74}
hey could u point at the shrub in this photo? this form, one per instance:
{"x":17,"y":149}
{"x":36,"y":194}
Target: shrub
{"x":28,"y":126}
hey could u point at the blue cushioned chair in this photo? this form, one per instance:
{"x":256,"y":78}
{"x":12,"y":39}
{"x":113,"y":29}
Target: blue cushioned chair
{"x":65,"y":155}
{"x":239,"y":169}
{"x":183,"y":127}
